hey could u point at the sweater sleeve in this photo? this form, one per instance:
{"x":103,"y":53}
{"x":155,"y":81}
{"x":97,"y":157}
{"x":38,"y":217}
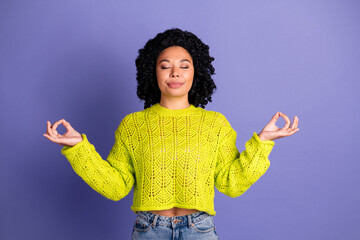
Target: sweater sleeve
{"x":235,"y":172}
{"x":113,"y":178}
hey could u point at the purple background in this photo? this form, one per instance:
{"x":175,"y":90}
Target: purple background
{"x":75,"y":59}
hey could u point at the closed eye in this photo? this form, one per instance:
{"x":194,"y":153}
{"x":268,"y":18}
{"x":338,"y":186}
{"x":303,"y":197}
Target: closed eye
{"x":169,"y":67}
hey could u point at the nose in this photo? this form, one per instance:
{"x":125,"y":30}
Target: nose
{"x":174,"y":72}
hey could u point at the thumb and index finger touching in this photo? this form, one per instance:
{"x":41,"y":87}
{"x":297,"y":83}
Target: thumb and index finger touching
{"x":275,"y":117}
{"x":286,"y":118}
{"x":65,"y":123}
{"x":51,"y":129}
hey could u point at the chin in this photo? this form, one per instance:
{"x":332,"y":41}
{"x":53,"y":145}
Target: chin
{"x":174,"y":93}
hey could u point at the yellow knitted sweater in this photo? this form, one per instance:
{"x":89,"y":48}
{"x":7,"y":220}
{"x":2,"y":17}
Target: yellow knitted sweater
{"x":172,"y":158}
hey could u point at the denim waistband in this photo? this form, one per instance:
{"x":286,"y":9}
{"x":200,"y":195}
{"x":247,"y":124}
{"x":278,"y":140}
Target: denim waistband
{"x":156,"y":219}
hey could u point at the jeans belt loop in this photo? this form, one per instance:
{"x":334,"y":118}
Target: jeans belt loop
{"x":154,"y":221}
{"x":190,"y":224}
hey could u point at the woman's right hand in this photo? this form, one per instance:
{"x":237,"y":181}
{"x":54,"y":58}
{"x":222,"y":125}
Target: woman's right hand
{"x":70,"y":138}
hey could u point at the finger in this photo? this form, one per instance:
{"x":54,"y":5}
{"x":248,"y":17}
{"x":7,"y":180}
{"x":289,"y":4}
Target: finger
{"x":294,"y":131}
{"x":275,"y":117}
{"x":47,"y":127}
{"x":293,"y":124}
{"x":56,"y":124}
{"x":287,"y":121}
{"x":55,"y":140}
{"x":296,"y":122}
{"x":67,"y":126}
{"x":49,"y":130}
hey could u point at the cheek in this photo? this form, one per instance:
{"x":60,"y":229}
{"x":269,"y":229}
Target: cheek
{"x":189,"y":76}
{"x":160,"y":79}
{"x":161,"y":82}
{"x":161,"y":76}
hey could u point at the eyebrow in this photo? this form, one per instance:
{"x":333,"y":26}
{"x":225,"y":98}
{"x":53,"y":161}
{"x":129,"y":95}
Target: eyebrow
{"x":182,"y":60}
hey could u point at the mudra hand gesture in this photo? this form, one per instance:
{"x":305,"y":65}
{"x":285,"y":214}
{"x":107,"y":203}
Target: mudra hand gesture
{"x":70,"y":138}
{"x":272,"y":132}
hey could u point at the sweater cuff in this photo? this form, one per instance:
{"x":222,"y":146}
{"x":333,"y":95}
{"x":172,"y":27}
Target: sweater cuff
{"x":257,"y":138}
{"x":266,"y":145}
{"x":68,"y":149}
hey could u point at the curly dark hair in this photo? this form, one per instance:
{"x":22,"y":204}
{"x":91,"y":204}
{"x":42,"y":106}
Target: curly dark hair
{"x":203,"y":85}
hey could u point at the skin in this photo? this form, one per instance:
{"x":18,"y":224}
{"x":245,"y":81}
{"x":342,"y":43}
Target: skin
{"x":174,"y":64}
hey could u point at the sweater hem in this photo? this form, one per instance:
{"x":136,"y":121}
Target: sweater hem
{"x":208,"y":211}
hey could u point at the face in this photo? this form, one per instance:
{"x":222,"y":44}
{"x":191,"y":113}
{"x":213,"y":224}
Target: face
{"x":174,"y":72}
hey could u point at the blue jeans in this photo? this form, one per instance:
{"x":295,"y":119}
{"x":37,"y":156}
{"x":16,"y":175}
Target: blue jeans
{"x":198,"y":225}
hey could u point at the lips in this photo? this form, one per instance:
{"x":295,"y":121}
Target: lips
{"x":174,"y":84}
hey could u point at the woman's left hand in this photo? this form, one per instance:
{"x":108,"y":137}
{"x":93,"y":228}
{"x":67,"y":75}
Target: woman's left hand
{"x":272,"y":132}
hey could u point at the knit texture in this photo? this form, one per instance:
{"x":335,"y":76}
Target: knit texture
{"x":172,"y":158}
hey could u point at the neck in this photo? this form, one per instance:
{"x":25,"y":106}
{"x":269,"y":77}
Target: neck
{"x":174,"y":105}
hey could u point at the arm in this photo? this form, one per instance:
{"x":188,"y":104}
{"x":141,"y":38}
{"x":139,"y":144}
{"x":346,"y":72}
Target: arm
{"x":113,"y":178}
{"x":235,"y":172}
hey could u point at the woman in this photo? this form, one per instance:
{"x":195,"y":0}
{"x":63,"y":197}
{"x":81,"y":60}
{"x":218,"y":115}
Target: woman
{"x":173,"y":152}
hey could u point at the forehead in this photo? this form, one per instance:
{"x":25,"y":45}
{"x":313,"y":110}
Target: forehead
{"x":174,"y":52}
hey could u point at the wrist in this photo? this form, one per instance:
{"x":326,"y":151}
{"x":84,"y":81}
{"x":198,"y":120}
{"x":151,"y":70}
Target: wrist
{"x":262,"y":138}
